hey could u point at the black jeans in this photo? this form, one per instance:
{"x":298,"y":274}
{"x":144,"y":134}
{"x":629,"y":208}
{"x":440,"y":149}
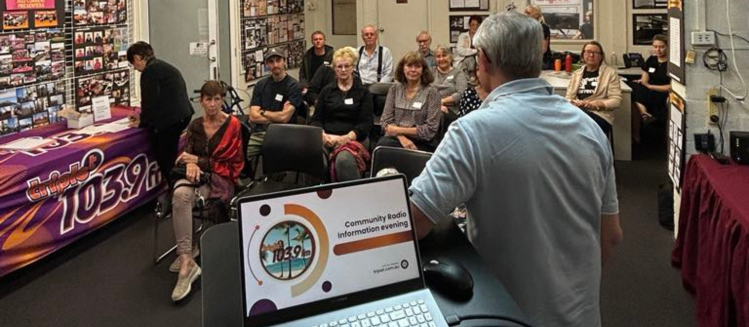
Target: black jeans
{"x":165,"y":145}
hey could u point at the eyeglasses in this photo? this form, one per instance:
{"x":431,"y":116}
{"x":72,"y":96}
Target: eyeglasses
{"x":484,"y":52}
{"x":343,"y":67}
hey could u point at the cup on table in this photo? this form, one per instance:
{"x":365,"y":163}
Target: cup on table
{"x":557,"y":65}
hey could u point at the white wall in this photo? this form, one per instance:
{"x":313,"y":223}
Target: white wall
{"x":699,"y":79}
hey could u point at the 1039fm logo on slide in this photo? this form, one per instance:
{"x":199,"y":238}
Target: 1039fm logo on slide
{"x":288,"y":250}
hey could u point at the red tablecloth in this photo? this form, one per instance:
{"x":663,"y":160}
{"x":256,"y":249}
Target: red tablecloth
{"x":712,"y":248}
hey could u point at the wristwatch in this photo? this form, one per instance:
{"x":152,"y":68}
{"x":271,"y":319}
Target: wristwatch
{"x":262,"y":112}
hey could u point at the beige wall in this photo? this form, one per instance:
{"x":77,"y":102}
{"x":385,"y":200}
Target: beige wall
{"x":613,"y":25}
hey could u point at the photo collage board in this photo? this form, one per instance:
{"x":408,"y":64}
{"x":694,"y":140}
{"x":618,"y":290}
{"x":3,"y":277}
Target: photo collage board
{"x":28,"y":57}
{"x":269,"y":24}
{"x":99,"y":12}
{"x":98,"y":49}
{"x":29,"y":107}
{"x":30,"y":14}
{"x":60,"y":54}
{"x":113,"y":84}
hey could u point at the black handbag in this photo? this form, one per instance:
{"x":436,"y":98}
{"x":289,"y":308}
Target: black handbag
{"x":179,"y":171}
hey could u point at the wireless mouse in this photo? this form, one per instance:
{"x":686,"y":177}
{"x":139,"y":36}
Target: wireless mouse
{"x":449,"y":278}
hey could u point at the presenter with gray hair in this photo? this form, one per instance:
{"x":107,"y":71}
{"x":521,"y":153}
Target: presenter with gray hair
{"x":537,"y":176}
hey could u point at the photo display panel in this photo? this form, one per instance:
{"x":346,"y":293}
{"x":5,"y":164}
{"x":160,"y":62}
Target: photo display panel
{"x":308,"y":247}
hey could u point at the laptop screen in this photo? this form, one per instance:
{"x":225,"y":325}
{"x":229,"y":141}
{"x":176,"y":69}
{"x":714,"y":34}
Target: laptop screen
{"x":324,"y":245}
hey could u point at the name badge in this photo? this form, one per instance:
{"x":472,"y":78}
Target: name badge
{"x":279,"y":97}
{"x":417,"y":105}
{"x":325,"y":63}
{"x":450,"y":77}
{"x":651,"y":70}
{"x":348,"y":101}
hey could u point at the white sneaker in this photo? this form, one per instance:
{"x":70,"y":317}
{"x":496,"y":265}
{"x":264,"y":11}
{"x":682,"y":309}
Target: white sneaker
{"x":184,"y":284}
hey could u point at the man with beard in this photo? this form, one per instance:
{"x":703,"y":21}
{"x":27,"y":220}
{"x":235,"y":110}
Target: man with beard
{"x":275,"y":100}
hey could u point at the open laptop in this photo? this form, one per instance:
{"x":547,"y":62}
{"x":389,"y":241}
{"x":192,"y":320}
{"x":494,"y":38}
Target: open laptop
{"x":335,"y":255}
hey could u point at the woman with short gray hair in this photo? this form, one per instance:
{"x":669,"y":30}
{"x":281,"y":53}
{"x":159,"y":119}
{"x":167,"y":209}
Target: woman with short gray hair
{"x":450,"y":82}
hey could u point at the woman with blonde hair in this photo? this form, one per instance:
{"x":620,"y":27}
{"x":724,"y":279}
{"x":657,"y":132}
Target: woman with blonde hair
{"x":344,"y":112}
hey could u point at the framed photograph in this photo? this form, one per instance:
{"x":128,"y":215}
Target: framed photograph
{"x":459,"y":25}
{"x":46,"y":18}
{"x":468,"y":5}
{"x":649,"y":4}
{"x":15,"y":20}
{"x":645,"y":26}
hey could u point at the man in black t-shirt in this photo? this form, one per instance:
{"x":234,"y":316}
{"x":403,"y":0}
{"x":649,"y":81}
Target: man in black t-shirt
{"x":275,"y":99}
{"x":318,"y":55}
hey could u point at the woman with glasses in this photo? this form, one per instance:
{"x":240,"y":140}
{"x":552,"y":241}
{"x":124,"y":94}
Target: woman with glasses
{"x":344,"y":112}
{"x":651,"y":91}
{"x":595,"y":88}
{"x":450,"y":82}
{"x":412,"y":113}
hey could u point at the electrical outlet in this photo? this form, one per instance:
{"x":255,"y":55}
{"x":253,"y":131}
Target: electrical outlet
{"x":703,"y":38}
{"x":712,"y":107}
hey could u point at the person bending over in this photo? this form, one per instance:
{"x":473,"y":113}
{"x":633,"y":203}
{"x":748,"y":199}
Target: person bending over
{"x":213,"y":145}
{"x":412,"y":112}
{"x":344,"y":112}
{"x":595,"y":87}
{"x":537,"y":176}
{"x":165,"y":107}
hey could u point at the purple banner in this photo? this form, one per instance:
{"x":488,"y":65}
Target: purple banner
{"x":53,"y":195}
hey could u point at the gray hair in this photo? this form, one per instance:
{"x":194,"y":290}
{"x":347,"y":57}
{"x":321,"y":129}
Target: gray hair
{"x":512,"y":43}
{"x":445,"y":50}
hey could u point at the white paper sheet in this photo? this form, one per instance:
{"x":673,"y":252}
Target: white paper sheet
{"x":26,"y":143}
{"x":101,"y":108}
{"x":457,"y":4}
{"x":674,"y":47}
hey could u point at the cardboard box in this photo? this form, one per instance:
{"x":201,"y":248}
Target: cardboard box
{"x":81,"y":121}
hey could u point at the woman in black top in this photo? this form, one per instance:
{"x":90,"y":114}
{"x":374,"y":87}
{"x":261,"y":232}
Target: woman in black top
{"x":344,"y":112}
{"x":651,"y":90}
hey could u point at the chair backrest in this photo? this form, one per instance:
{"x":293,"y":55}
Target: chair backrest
{"x":297,"y":148}
{"x":246,"y":134}
{"x":405,"y":161}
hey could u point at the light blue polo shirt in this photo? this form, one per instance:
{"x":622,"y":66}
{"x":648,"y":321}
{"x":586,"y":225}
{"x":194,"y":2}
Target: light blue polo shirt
{"x":536,"y":174}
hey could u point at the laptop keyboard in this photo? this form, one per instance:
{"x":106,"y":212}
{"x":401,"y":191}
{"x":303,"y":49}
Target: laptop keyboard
{"x":410,"y":314}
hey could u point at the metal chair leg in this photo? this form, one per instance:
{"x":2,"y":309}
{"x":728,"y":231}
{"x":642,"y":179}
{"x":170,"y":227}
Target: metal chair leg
{"x":159,"y":215}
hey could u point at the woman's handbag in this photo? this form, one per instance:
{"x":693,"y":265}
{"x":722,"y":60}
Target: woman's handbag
{"x":179,"y":171}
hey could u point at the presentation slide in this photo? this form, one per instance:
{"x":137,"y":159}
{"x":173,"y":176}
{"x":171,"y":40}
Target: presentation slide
{"x":314,"y":246}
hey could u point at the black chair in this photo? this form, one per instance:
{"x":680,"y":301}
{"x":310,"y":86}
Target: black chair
{"x":405,"y":161}
{"x":288,"y":148}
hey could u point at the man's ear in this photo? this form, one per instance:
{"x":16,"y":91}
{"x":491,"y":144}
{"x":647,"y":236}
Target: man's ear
{"x":482,"y":62}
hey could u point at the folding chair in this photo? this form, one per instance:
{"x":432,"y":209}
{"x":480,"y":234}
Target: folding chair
{"x":288,"y":148}
{"x":405,"y":161}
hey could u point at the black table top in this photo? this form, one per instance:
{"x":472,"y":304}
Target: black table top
{"x":221,"y":286}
